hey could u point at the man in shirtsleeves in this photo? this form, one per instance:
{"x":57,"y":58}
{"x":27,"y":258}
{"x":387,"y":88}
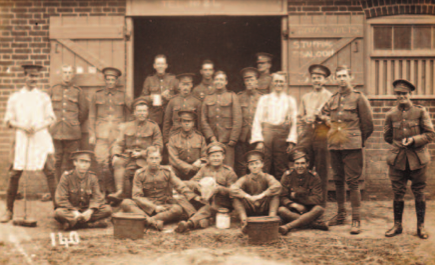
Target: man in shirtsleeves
{"x":257,"y":193}
{"x":130,"y":148}
{"x":29,"y":112}
{"x":264,"y":63}
{"x":408,"y":128}
{"x":206,"y":86}
{"x":78,"y":196}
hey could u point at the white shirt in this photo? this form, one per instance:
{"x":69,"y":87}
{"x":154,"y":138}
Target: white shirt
{"x":313,"y":102}
{"x":275,"y":109}
{"x":30,"y":108}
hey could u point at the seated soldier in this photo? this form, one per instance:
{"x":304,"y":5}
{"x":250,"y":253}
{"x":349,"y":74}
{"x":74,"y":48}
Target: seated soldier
{"x":78,"y":196}
{"x":257,"y":193}
{"x":224,"y":177}
{"x":301,"y":196}
{"x":129,"y":148}
{"x":187,"y":147}
{"x":152,"y":192}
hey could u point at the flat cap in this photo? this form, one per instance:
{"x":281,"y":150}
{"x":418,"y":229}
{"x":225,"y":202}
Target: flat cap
{"x":82,"y":152}
{"x":264,"y":57}
{"x":296,"y":154}
{"x":216,"y":147}
{"x":319,"y":69}
{"x":254,"y":155}
{"x":402,"y":85}
{"x":140,"y":100}
{"x":112,"y":71}
{"x":31,"y":68}
{"x":187,"y":115}
{"x":186,"y":76}
{"x":249,"y":72}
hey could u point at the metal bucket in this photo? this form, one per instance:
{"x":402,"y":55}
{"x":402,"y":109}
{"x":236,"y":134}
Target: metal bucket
{"x":128,"y":225}
{"x":263,"y":229}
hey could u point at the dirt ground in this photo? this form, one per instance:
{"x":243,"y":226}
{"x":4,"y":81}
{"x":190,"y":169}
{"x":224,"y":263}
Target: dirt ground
{"x":19,"y":245}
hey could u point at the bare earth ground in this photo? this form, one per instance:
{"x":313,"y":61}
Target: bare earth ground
{"x":19,"y":245}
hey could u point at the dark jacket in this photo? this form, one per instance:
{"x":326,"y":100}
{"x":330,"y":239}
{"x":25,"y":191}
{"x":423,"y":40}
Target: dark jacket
{"x":308,"y":188}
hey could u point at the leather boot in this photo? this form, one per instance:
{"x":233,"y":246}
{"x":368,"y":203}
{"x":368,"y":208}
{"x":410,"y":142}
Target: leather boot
{"x":397,"y":229}
{"x":420,"y":207}
{"x":339,"y":219}
{"x":6,"y":217}
{"x":184,"y":226}
{"x":116,"y":198}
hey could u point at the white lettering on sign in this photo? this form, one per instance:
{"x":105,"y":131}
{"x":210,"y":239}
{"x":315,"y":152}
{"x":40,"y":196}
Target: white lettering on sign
{"x":312,"y":44}
{"x":315,"y":54}
{"x":191,"y":3}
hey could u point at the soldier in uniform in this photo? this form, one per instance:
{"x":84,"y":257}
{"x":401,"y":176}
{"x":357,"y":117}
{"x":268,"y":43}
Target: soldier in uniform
{"x":264,"y":63}
{"x":224,"y":177}
{"x":312,"y":136}
{"x":184,"y":100}
{"x":274,"y":126}
{"x":130,"y":147}
{"x":159,"y":88}
{"x":71,"y":108}
{"x":248,"y":100}
{"x":301,"y":196}
{"x":152,"y":192}
{"x":78,"y":196}
{"x":221,"y":117}
{"x":29,"y":111}
{"x":187,"y":147}
{"x":206,"y":86}
{"x":109,"y":108}
{"x":257,"y":193}
{"x":408,"y":128}
{"x":351,"y":124}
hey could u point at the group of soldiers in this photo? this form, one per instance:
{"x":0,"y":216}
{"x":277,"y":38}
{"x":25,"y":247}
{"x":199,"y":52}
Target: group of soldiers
{"x":177,"y":154}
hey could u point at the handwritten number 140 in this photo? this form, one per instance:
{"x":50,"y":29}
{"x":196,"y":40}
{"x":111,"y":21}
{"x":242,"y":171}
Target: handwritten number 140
{"x":73,"y":239}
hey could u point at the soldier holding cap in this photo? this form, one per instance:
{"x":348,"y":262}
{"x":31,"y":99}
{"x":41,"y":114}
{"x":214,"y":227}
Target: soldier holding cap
{"x":224,"y":177}
{"x":130,"y":147}
{"x":78,"y":196}
{"x":312,"y":135}
{"x":221,"y":117}
{"x":159,"y":88}
{"x":264,"y":63}
{"x":109,"y":108}
{"x":301,"y":196}
{"x":187,"y":147}
{"x":184,"y":100}
{"x":206,"y":86}
{"x":408,"y":128}
{"x":257,"y":193}
{"x":351,"y":124}
{"x":29,"y":112}
{"x":248,"y":100}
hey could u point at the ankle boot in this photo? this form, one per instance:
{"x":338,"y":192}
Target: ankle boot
{"x":398,"y":212}
{"x":339,"y":219}
{"x":420,"y":208}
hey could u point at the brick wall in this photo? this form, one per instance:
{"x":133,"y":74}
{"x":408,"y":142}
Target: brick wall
{"x":322,"y":7}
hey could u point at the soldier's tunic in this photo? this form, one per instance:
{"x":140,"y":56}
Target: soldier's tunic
{"x":134,"y":136}
{"x":156,"y":85}
{"x":71,"y":109}
{"x":108,"y":109}
{"x":408,"y":162}
{"x":221,"y":117}
{"x":248,"y":101}
{"x":184,"y":149}
{"x":264,"y":81}
{"x":76,"y":193}
{"x":308,"y":188}
{"x":204,"y":89}
{"x":172,"y":121}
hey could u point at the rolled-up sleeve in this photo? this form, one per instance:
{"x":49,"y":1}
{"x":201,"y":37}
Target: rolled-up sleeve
{"x":257,"y":131}
{"x":293,"y":109}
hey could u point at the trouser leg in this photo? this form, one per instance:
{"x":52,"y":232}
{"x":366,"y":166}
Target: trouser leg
{"x":306,"y":218}
{"x":103,"y":212}
{"x":128,"y":182}
{"x":69,"y":146}
{"x":200,"y":219}
{"x":418,"y":178}
{"x":58,"y":155}
{"x":102,"y":148}
{"x":339,"y":178}
{"x":130,"y":206}
{"x":287,"y":215}
{"x":49,"y":172}
{"x":229,"y":156}
{"x":320,"y":162}
{"x":172,"y":214}
{"x":273,"y":206}
{"x":279,"y":154}
{"x":64,"y":215}
{"x":353,"y":164}
{"x":239,"y":206}
{"x":14,"y":180}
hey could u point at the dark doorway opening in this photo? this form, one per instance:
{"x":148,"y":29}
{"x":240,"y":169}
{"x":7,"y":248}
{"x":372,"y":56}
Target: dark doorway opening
{"x":230,"y":42}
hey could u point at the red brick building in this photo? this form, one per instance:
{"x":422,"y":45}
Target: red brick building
{"x":381,"y":40}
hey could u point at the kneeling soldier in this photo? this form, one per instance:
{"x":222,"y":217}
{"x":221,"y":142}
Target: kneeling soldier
{"x":301,"y":196}
{"x":78,"y":196}
{"x":224,"y":177}
{"x":257,"y":193}
{"x":152,"y":192}
{"x":408,"y":128}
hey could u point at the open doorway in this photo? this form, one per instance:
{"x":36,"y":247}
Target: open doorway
{"x":230,"y":42}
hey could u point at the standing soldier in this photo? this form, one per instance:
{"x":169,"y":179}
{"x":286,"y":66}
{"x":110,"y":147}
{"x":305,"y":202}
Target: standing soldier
{"x":312,"y":128}
{"x":184,"y":100}
{"x":187,"y":147}
{"x":248,"y":100}
{"x":264,"y":63}
{"x":159,"y":88}
{"x":29,"y":111}
{"x":130,"y":148}
{"x":408,"y":128}
{"x":351,"y":124}
{"x":71,"y":108}
{"x":274,"y":125}
{"x":221,"y":117}
{"x":206,"y":86}
{"x":109,"y":108}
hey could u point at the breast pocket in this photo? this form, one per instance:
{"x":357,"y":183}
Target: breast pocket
{"x":211,"y":107}
{"x":57,"y":102}
{"x":350,"y":112}
{"x":414,"y":127}
{"x":72,"y":104}
{"x":397,"y":130}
